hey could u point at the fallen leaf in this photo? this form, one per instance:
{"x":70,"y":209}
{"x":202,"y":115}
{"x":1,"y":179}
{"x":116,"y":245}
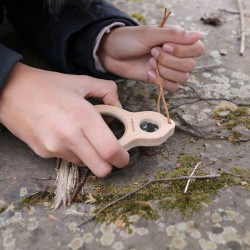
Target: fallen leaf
{"x":120,"y":224}
{"x":90,"y":199}
{"x":243,"y":183}
{"x":51,"y":216}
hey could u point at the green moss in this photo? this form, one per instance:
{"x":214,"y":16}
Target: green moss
{"x":157,"y":197}
{"x":139,"y":17}
{"x":235,"y":137}
{"x":165,"y":196}
{"x":37,"y":199}
{"x":161,"y":174}
{"x":229,"y":117}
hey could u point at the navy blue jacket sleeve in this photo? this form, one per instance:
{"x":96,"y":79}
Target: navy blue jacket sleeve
{"x":67,"y":38}
{"x":8,"y":59}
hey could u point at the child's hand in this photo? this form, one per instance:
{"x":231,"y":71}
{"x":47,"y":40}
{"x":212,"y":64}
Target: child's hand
{"x":132,"y":52}
{"x":47,"y":110}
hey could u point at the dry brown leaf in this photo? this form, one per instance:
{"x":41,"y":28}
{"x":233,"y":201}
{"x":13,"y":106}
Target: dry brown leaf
{"x":51,"y":216}
{"x":120,"y":224}
{"x":90,"y":199}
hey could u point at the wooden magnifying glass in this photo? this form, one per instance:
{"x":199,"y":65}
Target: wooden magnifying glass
{"x":147,"y":128}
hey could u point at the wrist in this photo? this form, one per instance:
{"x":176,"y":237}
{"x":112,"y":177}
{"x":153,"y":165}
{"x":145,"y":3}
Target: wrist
{"x":101,"y":49}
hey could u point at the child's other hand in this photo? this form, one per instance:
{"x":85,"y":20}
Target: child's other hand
{"x":47,"y":110}
{"x":132,"y":52}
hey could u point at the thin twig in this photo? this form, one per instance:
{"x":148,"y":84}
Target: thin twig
{"x":43,"y":178}
{"x":196,"y":166}
{"x":235,"y":12}
{"x":207,"y":67}
{"x":78,"y":187}
{"x":145,"y":185}
{"x":242,"y":29}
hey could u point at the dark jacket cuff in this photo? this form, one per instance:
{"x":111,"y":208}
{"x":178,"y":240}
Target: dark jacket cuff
{"x":80,"y":54}
{"x":8,"y":59}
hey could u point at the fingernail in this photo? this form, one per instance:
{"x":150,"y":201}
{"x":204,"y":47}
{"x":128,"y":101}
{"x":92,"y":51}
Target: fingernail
{"x":155,"y":52}
{"x":168,"y":48}
{"x":151,"y":75}
{"x":193,"y":34}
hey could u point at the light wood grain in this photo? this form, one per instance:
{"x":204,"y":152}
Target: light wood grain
{"x":134,"y":136}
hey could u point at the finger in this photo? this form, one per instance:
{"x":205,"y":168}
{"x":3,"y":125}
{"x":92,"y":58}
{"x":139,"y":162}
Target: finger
{"x":167,"y":85}
{"x":103,"y":89}
{"x":175,"y":63}
{"x":102,"y":139}
{"x":170,"y":86}
{"x":168,"y":74}
{"x":88,"y":155}
{"x":184,"y":51}
{"x":169,"y":35}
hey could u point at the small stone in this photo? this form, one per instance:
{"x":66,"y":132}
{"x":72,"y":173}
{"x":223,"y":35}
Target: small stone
{"x":23,"y":191}
{"x":206,"y":75}
{"x":223,"y":52}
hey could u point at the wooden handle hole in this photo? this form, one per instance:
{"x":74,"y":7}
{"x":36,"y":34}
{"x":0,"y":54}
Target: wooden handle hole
{"x":149,"y":126}
{"x":115,"y":125}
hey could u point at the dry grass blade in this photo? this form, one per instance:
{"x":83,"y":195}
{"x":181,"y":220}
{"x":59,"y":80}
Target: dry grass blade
{"x":188,"y":182}
{"x":242,"y":29}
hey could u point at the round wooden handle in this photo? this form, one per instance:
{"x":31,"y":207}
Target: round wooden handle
{"x":134,"y":134}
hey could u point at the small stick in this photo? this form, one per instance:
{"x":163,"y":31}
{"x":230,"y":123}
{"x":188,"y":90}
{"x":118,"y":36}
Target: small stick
{"x":233,"y":12}
{"x":145,"y":185}
{"x":43,"y":179}
{"x":78,"y":187}
{"x":242,"y":30}
{"x":196,"y":166}
{"x":207,"y":67}
{"x":229,"y":11}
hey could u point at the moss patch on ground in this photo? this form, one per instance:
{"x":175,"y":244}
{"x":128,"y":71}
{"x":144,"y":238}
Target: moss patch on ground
{"x":155,"y":198}
{"x":164,"y":196}
{"x":229,"y":118}
{"x":38,"y":198}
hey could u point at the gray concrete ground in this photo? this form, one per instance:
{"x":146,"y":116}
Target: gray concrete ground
{"x":222,"y":224}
